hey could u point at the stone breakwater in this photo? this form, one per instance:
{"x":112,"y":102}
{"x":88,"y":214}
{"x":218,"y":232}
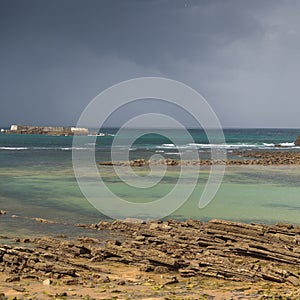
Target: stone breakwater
{"x":243,"y":158}
{"x":216,"y":249}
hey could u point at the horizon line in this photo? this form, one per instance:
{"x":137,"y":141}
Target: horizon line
{"x":152,"y":127}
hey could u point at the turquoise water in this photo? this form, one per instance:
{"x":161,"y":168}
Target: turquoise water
{"x":37,"y":180}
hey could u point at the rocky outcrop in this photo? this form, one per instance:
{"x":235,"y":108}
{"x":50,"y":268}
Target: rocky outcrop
{"x":297,"y":142}
{"x":262,"y":158}
{"x":271,"y":157}
{"x":219,"y":249}
{"x":39,"y":261}
{"x":47,"y":130}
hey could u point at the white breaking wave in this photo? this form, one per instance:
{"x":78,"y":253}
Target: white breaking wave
{"x":162,"y":148}
{"x":172,"y":153}
{"x":205,"y":146}
{"x":41,"y":148}
{"x":101,"y":134}
{"x":168,"y":146}
{"x":222,"y":146}
{"x":198,"y":146}
{"x":287,"y":144}
{"x":74,"y":148}
{"x":13,"y":148}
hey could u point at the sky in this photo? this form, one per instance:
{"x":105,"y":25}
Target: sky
{"x":242,"y":56}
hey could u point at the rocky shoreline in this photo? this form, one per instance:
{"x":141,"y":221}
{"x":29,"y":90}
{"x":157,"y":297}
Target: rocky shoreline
{"x":172,"y":254}
{"x":263,"y":158}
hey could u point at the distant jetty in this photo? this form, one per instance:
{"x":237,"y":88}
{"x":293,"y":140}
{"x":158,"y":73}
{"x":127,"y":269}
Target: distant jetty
{"x":47,"y":130}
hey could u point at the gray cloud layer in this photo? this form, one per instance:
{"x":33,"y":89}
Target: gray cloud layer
{"x":242,"y":56}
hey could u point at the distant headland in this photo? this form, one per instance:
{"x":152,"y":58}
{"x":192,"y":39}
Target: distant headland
{"x":46,"y":130}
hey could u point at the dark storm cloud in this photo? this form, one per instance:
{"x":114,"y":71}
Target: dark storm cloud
{"x":243,"y":56}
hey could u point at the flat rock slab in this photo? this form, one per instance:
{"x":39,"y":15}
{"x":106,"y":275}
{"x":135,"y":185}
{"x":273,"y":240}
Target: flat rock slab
{"x":219,"y":249}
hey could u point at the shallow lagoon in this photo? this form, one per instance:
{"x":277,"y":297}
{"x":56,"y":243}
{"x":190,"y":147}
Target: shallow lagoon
{"x":39,"y":182}
{"x":248,"y":194}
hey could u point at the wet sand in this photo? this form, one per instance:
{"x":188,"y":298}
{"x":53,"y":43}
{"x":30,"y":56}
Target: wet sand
{"x":140,"y":285}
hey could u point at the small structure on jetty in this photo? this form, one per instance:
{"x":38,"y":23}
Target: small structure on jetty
{"x":47,"y":130}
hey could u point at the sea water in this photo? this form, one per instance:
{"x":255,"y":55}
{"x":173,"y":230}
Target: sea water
{"x":37,"y":178}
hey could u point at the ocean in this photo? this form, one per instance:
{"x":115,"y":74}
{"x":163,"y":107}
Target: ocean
{"x":37,"y":179}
